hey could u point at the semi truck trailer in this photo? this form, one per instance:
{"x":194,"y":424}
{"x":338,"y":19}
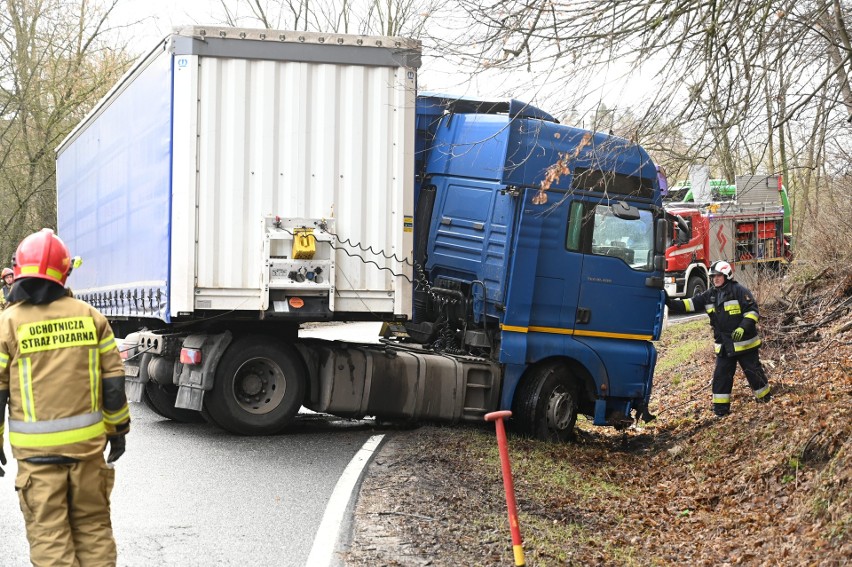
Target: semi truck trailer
{"x":236,"y":184}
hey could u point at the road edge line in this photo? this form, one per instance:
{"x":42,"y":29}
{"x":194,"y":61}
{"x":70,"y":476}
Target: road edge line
{"x":328,"y":532}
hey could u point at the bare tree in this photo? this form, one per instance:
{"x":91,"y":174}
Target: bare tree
{"x":378,"y":17}
{"x":740,"y":85}
{"x":53,"y":67}
{"x":709,"y":45}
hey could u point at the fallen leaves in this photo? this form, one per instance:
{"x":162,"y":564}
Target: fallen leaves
{"x":769,"y":485}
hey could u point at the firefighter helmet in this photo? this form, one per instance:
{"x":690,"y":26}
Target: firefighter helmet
{"x":43,"y":255}
{"x":7,"y":272}
{"x":722,"y":268}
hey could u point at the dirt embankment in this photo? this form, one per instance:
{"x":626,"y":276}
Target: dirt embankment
{"x":767,"y":485}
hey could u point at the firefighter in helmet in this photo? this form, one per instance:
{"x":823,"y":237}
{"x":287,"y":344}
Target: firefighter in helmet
{"x":733,"y":315}
{"x":8,"y":277}
{"x":63,"y":379}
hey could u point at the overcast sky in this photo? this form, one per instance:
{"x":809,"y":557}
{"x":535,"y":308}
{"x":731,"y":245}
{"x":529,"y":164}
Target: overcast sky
{"x":151,"y":20}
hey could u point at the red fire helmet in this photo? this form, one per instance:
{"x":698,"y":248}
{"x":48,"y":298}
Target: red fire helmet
{"x":43,"y":255}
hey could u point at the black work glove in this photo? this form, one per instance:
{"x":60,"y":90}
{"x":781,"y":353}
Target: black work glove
{"x":2,"y":461}
{"x":117,"y":445}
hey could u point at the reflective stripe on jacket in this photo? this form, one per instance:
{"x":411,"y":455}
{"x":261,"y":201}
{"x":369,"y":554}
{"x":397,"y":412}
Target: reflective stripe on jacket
{"x":65,"y":380}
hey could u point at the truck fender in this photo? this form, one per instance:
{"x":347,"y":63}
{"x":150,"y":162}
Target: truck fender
{"x":583,"y":362}
{"x":194,"y":379}
{"x":695,"y":270}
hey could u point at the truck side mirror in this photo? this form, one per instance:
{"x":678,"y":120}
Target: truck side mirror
{"x":660,"y":236}
{"x":684,"y":232}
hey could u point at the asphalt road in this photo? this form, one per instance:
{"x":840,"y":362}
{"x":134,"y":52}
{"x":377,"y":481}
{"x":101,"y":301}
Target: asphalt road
{"x":193,"y":495}
{"x":685,"y":318}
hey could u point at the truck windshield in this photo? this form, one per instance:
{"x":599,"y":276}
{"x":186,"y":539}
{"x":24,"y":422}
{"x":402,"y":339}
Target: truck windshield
{"x":630,"y":240}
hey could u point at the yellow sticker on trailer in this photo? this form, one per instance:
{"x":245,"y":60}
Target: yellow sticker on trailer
{"x":408,"y":224}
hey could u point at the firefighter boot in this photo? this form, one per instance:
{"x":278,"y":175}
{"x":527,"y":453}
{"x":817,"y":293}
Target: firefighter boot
{"x":721,"y":410}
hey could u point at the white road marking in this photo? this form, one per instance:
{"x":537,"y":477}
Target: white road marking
{"x":327,"y":534}
{"x":687,"y":318}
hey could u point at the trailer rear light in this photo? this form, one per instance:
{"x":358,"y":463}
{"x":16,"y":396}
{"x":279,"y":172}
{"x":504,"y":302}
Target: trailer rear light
{"x":190,"y":356}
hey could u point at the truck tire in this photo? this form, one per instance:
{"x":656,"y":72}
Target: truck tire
{"x":161,"y":400}
{"x":545,"y":405}
{"x":258,"y":387}
{"x":695,"y":286}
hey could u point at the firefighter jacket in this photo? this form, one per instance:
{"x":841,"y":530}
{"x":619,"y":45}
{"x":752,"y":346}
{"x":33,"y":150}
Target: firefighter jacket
{"x":64,"y":380}
{"x":729,"y":307}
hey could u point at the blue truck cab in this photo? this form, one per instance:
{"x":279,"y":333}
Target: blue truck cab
{"x":537,"y":245}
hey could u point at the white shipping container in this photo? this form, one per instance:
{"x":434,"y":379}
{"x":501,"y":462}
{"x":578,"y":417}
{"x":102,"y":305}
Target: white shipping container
{"x":263,"y":124}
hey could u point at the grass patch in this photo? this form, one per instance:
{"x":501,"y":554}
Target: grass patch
{"x":681,"y":330}
{"x":680,"y":344}
{"x":557,"y":543}
{"x":546,"y":470}
{"x":555,"y":477}
{"x":552,"y":542}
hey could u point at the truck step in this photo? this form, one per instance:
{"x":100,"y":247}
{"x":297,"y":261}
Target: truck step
{"x":480,"y":395}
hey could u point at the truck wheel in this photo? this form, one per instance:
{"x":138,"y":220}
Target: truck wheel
{"x":545,"y":405}
{"x":258,"y":387}
{"x":695,"y":286}
{"x":161,"y":400}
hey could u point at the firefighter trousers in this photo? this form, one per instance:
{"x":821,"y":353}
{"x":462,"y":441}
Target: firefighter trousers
{"x":723,"y":378}
{"x":66,"y":511}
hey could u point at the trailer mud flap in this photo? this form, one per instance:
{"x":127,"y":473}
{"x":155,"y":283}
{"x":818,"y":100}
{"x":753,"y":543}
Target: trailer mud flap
{"x":195,"y":379}
{"x":134,"y":385}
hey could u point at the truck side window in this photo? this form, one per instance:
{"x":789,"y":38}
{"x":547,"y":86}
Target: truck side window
{"x":611,"y":183}
{"x":632,"y":241}
{"x":575,"y":227}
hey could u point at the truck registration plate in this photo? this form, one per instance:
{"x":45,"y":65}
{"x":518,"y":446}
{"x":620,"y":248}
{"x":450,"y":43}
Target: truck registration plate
{"x":131,"y":370}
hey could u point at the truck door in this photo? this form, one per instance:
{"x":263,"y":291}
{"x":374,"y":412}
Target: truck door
{"x":617,"y":297}
{"x":580,"y":270}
